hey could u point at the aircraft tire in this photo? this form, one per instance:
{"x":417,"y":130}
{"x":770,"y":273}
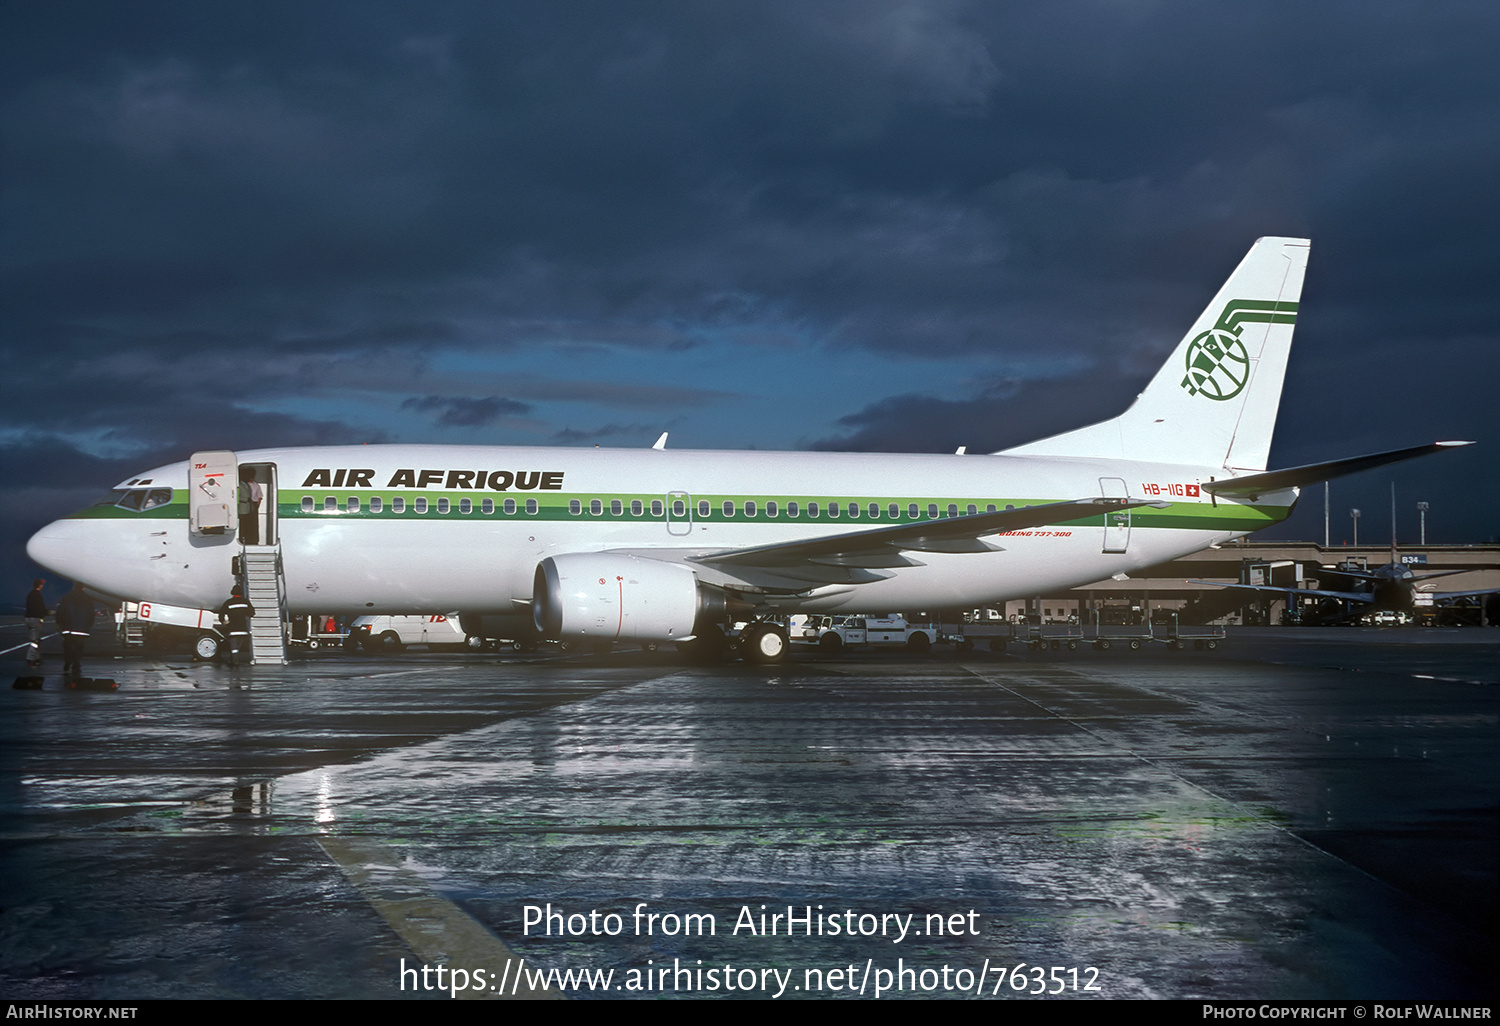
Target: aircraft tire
{"x":918,"y":644}
{"x":766,"y":646}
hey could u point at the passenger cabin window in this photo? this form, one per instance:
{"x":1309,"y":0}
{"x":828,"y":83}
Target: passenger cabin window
{"x":509,"y":507}
{"x":307,"y":503}
{"x":657,"y":508}
{"x":398,"y":505}
{"x":911,"y":510}
{"x":679,"y":508}
{"x":932,"y":511}
{"x":352,"y":504}
{"x":771,"y":508}
{"x":812,"y":509}
{"x":531,"y":507}
{"x":442,"y":505}
{"x":791,"y":509}
{"x":727,"y":507}
{"x":596,"y":507}
{"x":953,"y":509}
{"x":575,"y":507}
{"x":466,"y":505}
{"x":330,"y":505}
{"x":874,"y":510}
{"x":703,"y":507}
{"x":750,"y":507}
{"x":487,"y":506}
{"x":419,"y":505}
{"x":833,"y":509}
{"x":636,"y":508}
{"x":973,"y":509}
{"x":376,"y":504}
{"x":894,"y":511}
{"x":616,"y":507}
{"x":853,"y":511}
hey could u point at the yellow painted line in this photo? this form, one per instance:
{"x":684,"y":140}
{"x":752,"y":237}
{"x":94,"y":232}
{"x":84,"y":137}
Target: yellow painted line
{"x":437,"y":931}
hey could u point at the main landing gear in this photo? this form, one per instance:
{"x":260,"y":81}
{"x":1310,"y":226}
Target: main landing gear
{"x":764,"y":644}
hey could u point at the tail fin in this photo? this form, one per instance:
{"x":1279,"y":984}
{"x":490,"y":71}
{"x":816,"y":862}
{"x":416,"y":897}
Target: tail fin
{"x":1213,"y":403}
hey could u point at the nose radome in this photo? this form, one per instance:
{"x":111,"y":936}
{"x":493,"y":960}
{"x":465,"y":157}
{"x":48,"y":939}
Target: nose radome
{"x":60,"y":549}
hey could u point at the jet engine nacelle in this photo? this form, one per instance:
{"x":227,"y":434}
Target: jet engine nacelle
{"x":606,"y":595}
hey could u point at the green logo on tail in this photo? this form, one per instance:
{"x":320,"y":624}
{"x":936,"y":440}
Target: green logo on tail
{"x":1218,"y":367}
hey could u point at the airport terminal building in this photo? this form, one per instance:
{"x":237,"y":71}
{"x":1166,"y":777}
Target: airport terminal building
{"x":1192,"y":587}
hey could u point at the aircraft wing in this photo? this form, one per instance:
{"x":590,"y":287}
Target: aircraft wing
{"x":1253,"y":486}
{"x":882,"y":546}
{"x":1316,"y":593}
{"x":1449,"y":596}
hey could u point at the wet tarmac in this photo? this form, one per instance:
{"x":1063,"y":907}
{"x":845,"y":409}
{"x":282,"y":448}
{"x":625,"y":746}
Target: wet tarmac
{"x":1302,"y":814}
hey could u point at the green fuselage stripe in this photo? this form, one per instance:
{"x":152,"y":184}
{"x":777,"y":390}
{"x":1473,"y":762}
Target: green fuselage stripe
{"x":555,"y":507}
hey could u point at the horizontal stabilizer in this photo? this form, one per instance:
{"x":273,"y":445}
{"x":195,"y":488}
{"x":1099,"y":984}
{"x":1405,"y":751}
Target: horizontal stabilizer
{"x":1255,"y":485}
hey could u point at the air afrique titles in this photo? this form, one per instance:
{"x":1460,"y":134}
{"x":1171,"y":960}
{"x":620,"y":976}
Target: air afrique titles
{"x":449,"y":480}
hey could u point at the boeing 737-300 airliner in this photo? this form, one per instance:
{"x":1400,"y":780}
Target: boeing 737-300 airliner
{"x":669,"y":545}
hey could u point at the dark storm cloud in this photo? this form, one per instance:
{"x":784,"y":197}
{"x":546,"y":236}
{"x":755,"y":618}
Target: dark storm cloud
{"x":210,"y":214}
{"x":609,"y":432}
{"x":458,"y":411}
{"x":1001,"y":415}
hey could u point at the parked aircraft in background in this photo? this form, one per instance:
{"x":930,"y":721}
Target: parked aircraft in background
{"x":665,"y":545}
{"x":1348,"y":592}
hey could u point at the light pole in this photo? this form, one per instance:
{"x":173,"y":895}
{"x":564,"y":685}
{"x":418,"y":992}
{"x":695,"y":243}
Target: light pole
{"x":1354,"y":516}
{"x":1422,"y":512}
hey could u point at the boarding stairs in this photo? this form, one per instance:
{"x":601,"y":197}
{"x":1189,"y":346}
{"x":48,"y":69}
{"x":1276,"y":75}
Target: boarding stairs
{"x":132,"y":627}
{"x":266,"y":589}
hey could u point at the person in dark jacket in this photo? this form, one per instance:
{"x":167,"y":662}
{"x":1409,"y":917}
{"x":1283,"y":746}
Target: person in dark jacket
{"x":75,"y":618}
{"x":237,"y":613}
{"x":36,"y":615}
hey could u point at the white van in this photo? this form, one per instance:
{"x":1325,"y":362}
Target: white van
{"x":394,"y":633}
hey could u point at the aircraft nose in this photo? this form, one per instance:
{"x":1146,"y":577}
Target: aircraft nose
{"x":59,"y":548}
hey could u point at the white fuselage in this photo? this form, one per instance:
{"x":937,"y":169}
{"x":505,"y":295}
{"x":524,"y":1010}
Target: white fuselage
{"x":341,"y":556}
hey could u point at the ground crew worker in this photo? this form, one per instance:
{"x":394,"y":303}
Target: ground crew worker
{"x":75,"y":618}
{"x":237,"y":613}
{"x":36,"y":614}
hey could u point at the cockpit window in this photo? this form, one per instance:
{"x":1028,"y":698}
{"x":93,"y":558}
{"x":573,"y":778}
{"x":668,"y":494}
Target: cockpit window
{"x":137,"y":498}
